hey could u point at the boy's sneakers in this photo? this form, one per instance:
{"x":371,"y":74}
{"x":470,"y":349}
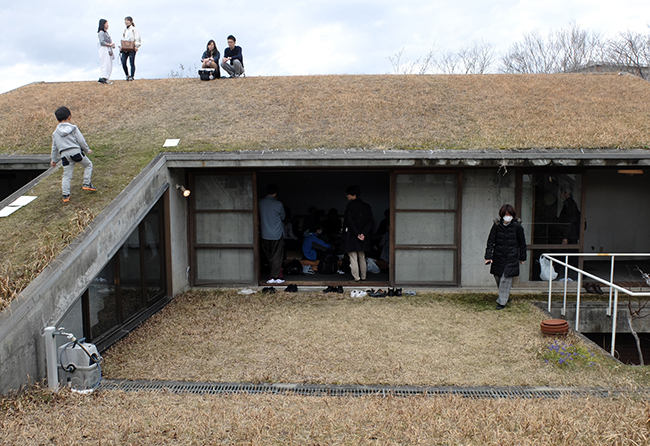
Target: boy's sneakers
{"x":66,"y":198}
{"x":89,"y":187}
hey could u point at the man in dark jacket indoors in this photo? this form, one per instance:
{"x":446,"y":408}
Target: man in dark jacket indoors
{"x":358,"y":224}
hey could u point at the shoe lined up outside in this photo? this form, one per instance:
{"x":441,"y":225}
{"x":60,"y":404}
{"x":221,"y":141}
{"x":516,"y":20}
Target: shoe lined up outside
{"x":291,"y":288}
{"x":358,"y":293}
{"x":334,"y":289}
{"x":379,"y":293}
{"x":268,"y":290}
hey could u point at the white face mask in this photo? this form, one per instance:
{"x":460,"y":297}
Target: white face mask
{"x":507,"y":219}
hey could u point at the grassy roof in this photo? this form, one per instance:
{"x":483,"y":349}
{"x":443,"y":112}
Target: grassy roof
{"x":127,"y":123}
{"x":463,"y":111}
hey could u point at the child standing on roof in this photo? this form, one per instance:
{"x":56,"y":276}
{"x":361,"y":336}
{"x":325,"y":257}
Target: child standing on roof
{"x":69,"y":145}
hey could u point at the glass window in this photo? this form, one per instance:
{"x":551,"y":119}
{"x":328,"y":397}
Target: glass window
{"x":225,"y":265}
{"x":224,"y":228}
{"x":102,"y":302}
{"x":425,"y":228}
{"x":426,"y":191}
{"x":551,"y":208}
{"x":424,"y":265}
{"x":130,"y":275}
{"x":72,"y":322}
{"x":153,"y":265}
{"x":223,"y":192}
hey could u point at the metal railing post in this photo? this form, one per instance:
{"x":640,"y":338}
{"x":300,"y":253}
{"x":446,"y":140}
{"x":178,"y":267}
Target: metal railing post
{"x":611,"y":280}
{"x":550,"y":286}
{"x":566,"y":282}
{"x":578,"y":301}
{"x":614,"y":316}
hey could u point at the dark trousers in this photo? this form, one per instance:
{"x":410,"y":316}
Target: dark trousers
{"x":274,"y":252}
{"x":131,"y":56}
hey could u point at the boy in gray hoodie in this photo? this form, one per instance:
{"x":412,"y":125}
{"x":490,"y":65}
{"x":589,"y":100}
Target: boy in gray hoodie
{"x":69,"y":145}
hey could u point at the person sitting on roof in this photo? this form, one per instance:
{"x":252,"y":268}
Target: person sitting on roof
{"x":313,"y":247}
{"x":233,"y":59}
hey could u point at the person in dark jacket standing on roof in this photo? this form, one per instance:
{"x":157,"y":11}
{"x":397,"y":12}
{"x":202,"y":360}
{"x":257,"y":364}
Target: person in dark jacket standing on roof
{"x":358,"y":224}
{"x":506,"y":249}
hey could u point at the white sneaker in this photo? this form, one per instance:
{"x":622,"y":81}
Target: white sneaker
{"x":279,"y":281}
{"x":271,"y":281}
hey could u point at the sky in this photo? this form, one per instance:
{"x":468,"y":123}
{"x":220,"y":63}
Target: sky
{"x":45,"y":40}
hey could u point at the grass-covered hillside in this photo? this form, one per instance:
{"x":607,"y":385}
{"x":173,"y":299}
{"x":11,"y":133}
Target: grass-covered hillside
{"x":127,"y":123}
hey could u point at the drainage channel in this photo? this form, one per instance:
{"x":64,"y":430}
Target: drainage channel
{"x":179,"y":387}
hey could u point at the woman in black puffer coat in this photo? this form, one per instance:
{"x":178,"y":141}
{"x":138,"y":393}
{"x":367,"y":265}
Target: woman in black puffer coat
{"x":506,"y":249}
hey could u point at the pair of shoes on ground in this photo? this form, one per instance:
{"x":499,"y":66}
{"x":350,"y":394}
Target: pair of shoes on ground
{"x":130,"y":78}
{"x":103,"y":80}
{"x":291,"y":288}
{"x":88,"y":187}
{"x":593,"y":288}
{"x":394,"y":292}
{"x":379,"y":293}
{"x":358,"y":293}
{"x":272,"y":280}
{"x":410,"y":293}
{"x":268,"y":290}
{"x":333,"y":289}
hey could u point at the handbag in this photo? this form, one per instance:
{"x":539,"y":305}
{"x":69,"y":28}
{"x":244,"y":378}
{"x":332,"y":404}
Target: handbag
{"x":127,"y":46}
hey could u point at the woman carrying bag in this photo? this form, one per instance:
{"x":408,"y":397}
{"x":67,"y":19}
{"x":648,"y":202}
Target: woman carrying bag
{"x":129,"y":46}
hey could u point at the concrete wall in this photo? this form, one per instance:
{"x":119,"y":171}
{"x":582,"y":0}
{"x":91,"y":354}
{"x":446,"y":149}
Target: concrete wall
{"x":594,"y":319}
{"x":47,"y":299}
{"x":178,"y":230}
{"x":484,"y":192}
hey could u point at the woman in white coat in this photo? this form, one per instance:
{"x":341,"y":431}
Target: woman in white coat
{"x":130,"y":34}
{"x":106,"y":54}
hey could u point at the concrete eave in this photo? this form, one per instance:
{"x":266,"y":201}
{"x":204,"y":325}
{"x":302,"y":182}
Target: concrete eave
{"x":359,"y":158}
{"x":24,"y":162}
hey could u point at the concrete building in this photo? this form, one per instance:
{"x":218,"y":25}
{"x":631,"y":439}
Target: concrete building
{"x":152,"y":242}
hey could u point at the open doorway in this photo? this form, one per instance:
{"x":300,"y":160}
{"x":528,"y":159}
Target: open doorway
{"x":317,"y":199}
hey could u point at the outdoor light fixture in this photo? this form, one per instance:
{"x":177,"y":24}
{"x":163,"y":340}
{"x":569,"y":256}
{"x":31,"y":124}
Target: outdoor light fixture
{"x":631,"y":171}
{"x":186,"y":193}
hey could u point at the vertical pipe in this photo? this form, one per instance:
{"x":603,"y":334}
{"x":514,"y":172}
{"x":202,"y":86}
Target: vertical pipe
{"x":578,"y":301}
{"x":614,"y":315}
{"x":51,"y":359}
{"x":611,"y":280}
{"x":566,"y":280}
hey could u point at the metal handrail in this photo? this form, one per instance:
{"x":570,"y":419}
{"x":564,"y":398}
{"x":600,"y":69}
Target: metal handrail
{"x":613,"y":288}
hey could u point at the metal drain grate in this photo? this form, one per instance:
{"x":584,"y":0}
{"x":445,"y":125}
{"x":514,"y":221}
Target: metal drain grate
{"x":359,"y":390}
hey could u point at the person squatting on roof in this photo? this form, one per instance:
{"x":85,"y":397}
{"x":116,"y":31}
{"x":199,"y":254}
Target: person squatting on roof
{"x":69,"y":145}
{"x":233,"y":59}
{"x":272,"y":229}
{"x":105,"y":49}
{"x":130,"y":34}
{"x":505,"y":250}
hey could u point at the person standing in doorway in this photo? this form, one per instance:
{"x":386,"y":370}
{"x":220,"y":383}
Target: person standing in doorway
{"x":233,"y":59}
{"x":357,"y":229}
{"x":506,"y":249}
{"x":128,"y":50}
{"x":106,"y":55}
{"x":272,"y":228}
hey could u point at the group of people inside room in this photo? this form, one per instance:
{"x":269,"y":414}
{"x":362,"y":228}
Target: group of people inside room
{"x":351,"y":237}
{"x":232,"y":62}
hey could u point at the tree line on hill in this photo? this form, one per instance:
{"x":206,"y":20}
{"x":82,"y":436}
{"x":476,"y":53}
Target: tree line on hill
{"x":569,"y":49}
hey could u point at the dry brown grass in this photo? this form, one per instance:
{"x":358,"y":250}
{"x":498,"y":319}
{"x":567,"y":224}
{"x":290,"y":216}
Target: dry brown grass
{"x":127,"y":123}
{"x":115,"y":418}
{"x":384,"y":112}
{"x":430,"y":339}
{"x":15,"y":277}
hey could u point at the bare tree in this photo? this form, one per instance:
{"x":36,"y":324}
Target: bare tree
{"x":448,"y":63}
{"x":561,"y":51}
{"x":421,"y":65}
{"x":631,"y":49}
{"x":477,"y":57}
